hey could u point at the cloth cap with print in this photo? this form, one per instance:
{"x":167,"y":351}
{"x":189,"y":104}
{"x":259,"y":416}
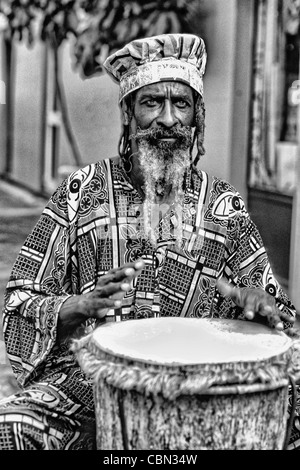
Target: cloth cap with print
{"x":167,"y":57}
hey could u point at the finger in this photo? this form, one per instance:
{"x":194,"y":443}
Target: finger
{"x":279,"y":320}
{"x":105,"y":279}
{"x":113,"y":289}
{"x":115,"y":277}
{"x":91,"y":307}
{"x":249,"y":314}
{"x":266,"y":311}
{"x":251,"y":305}
{"x":130,"y":264}
{"x":129,"y":271}
{"x":274,"y":315}
{"x":286,"y":317}
{"x":228,"y":290}
{"x":135,"y":265}
{"x":130,"y":275}
{"x":102,"y":312}
{"x":118,"y":295}
{"x":271,"y":313}
{"x":262,"y":307}
{"x":258,"y":305}
{"x":224,"y":288}
{"x":240,"y":297}
{"x":279,"y":326}
{"x":132,"y":272}
{"x":139,"y":264}
{"x":124,"y":273}
{"x":275,"y":322}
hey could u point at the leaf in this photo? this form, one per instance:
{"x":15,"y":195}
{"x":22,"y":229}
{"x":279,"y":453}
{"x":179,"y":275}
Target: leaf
{"x":96,"y":24}
{"x":174,"y":23}
{"x":160,"y":26}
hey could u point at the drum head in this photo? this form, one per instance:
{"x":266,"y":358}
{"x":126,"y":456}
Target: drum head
{"x":173,"y":340}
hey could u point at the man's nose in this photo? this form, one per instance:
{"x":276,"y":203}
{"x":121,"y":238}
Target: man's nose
{"x":167,"y":116}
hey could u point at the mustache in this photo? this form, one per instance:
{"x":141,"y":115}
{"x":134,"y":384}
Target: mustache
{"x":152,"y":135}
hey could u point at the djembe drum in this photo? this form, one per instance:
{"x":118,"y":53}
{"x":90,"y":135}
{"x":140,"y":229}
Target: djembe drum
{"x":186,"y":383}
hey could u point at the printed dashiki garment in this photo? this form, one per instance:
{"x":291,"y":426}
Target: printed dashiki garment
{"x":92,"y":223}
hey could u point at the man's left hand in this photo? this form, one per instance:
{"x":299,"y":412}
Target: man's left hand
{"x":255,"y":301}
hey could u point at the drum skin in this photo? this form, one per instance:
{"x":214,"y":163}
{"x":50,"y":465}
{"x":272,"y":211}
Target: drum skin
{"x":188,"y":384}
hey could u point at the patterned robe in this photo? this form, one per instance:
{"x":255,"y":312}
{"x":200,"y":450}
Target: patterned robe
{"x":93,"y":222}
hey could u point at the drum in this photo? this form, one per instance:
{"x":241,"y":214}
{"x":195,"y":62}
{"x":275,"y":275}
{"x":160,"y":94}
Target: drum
{"x":185,"y":383}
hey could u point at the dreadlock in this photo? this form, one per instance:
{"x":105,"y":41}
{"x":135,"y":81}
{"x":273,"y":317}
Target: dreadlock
{"x":126,"y":109}
{"x":199,"y":128}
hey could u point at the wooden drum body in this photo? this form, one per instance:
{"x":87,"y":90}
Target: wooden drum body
{"x":188,"y":384}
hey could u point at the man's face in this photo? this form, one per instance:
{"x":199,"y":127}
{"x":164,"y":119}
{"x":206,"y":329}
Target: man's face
{"x":161,"y":140}
{"x":164,"y":105}
{"x":163,"y":116}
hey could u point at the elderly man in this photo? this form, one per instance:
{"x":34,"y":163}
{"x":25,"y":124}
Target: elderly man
{"x":118,"y":236}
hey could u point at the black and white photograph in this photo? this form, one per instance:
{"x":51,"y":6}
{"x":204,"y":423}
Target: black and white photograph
{"x":149,"y":227}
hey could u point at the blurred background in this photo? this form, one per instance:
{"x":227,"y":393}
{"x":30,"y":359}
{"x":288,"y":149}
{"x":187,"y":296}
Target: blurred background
{"x":59,"y":111}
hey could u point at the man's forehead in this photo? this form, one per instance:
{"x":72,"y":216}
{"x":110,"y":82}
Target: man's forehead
{"x":173,"y":87}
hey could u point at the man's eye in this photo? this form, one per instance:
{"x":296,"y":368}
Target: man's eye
{"x":151,"y":102}
{"x":182,"y":104}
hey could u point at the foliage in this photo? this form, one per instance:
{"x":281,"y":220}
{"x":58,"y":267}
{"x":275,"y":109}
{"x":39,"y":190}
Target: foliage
{"x":97,"y":26}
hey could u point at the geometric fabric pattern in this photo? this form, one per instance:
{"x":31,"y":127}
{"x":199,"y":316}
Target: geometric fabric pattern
{"x":92,"y":223}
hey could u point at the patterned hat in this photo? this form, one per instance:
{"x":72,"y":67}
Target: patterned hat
{"x":168,"y":57}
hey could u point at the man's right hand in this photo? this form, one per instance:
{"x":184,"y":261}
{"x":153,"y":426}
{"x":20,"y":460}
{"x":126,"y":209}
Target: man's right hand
{"x":108,"y":294}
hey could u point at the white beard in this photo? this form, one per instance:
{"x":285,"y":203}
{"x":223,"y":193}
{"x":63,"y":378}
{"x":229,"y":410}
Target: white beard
{"x":164,"y":168}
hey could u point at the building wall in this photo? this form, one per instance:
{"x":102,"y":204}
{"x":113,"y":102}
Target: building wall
{"x":27,"y":114}
{"x":241,"y":99}
{"x":94,"y":111}
{"x":219,"y":34}
{"x":2,"y":112}
{"x":26,"y":111}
